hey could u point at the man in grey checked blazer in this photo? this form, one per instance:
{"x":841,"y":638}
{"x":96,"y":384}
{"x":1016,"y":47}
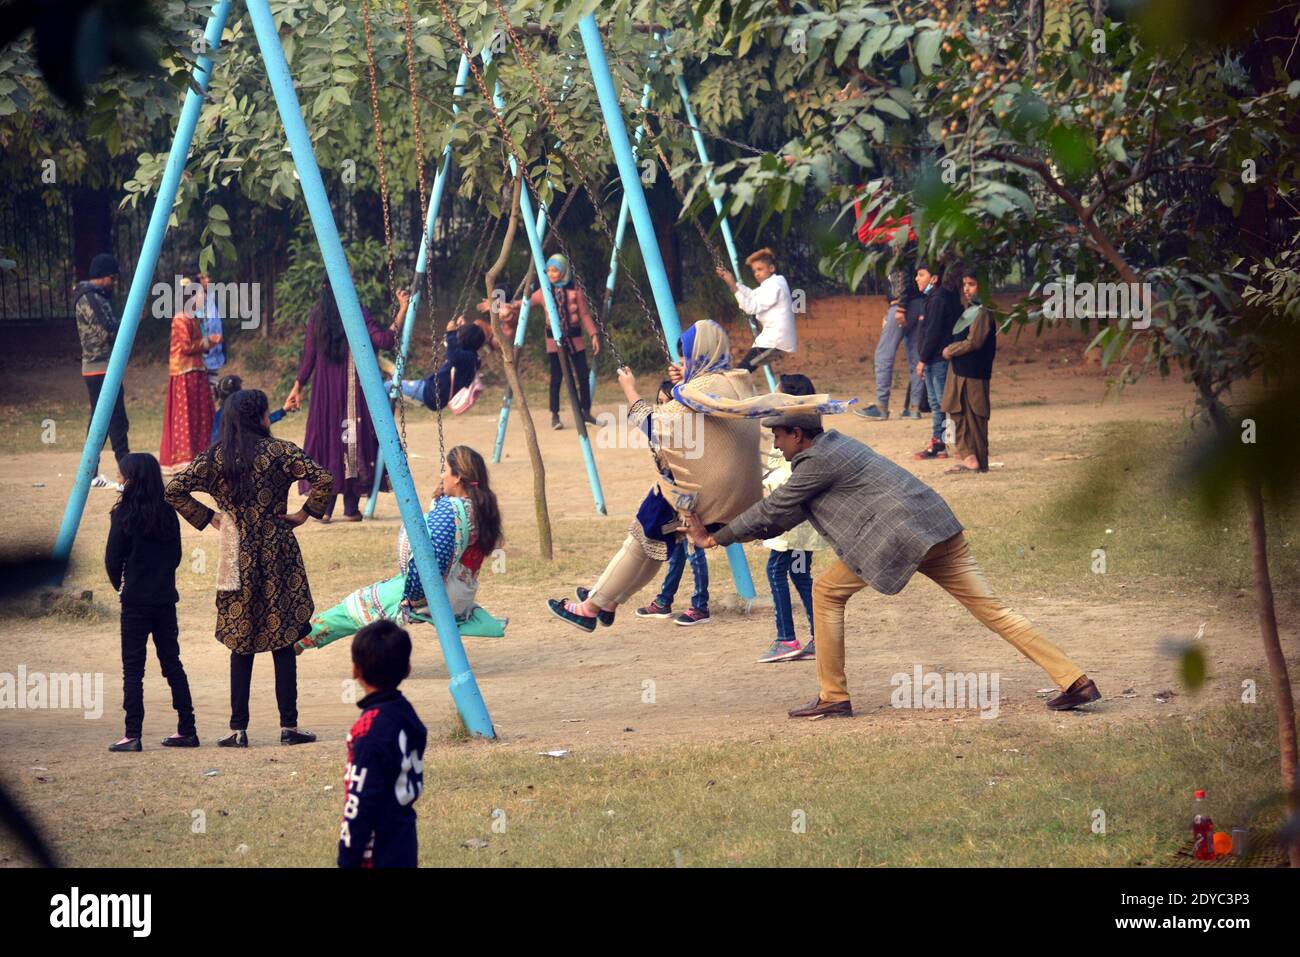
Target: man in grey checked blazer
{"x":885,"y":525}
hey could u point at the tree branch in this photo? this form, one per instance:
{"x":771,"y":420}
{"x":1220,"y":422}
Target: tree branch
{"x":1044,"y":172}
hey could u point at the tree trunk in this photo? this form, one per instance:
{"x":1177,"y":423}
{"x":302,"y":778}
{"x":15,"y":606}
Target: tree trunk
{"x":1279,"y":678}
{"x":1284,"y":704}
{"x":516,"y":388}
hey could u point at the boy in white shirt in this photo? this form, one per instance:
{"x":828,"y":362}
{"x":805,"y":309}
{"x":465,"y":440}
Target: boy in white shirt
{"x":770,"y":305}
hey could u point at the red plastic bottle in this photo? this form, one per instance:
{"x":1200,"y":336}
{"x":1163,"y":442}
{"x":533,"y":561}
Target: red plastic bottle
{"x":1202,"y":830}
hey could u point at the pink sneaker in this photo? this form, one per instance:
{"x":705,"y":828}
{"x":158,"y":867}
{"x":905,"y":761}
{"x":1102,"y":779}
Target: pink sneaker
{"x":782,"y":651}
{"x":692,"y":617}
{"x":655,"y":610}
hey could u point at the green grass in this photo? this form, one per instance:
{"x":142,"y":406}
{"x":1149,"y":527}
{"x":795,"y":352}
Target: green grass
{"x":920,"y":793}
{"x":1159,"y":544}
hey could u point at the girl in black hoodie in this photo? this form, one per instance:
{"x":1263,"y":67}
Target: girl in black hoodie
{"x":144,"y":548}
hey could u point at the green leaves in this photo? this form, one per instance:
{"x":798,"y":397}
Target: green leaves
{"x":430,"y":44}
{"x":853,"y":144}
{"x":891,"y":107}
{"x":848,"y":40}
{"x":927,"y":50}
{"x":1071,"y":150}
{"x":876,"y":38}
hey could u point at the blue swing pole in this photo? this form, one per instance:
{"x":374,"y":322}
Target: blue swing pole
{"x":645,"y":234}
{"x":723,"y":222}
{"x":141,"y":281}
{"x":548,"y":297}
{"x":463,"y":687}
{"x":422,"y":264}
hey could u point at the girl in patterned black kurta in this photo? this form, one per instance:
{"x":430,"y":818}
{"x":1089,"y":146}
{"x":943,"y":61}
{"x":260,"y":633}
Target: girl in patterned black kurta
{"x":263,"y":600}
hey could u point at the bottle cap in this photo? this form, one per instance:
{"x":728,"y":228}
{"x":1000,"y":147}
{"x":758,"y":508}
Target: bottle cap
{"x":1200,"y":795}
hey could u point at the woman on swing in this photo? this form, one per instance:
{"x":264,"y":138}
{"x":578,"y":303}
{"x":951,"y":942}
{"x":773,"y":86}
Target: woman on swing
{"x":575,"y":319}
{"x":709,"y":466}
{"x":464,"y":525}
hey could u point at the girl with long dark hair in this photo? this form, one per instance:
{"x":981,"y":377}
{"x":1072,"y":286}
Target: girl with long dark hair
{"x":143,"y":550}
{"x":459,"y":367}
{"x":464,"y":524}
{"x":340,"y":433}
{"x":228,"y":386}
{"x":264,"y":602}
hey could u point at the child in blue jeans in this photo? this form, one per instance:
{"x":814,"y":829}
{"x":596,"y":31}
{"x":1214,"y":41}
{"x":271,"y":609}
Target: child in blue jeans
{"x":791,"y":554}
{"x":662,"y":606}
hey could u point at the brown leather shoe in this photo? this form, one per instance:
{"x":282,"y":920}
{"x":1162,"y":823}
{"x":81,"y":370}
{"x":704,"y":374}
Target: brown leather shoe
{"x":817,"y":708}
{"x":1083,"y":691}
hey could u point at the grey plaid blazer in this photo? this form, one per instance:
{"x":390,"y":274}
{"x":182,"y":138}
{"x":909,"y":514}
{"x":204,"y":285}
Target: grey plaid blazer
{"x":879,"y":517}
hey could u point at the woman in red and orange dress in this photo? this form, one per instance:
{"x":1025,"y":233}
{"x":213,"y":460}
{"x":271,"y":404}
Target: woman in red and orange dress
{"x":187,"y":415}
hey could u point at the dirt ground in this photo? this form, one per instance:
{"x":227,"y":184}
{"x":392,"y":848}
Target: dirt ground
{"x":549,"y":686}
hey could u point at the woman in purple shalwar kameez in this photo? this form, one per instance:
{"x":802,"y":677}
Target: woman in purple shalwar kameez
{"x":340,"y":433}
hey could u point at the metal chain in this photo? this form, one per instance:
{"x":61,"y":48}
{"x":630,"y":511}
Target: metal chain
{"x":711,"y":246}
{"x":509,"y":140}
{"x":384,"y":203}
{"x":645,"y":111}
{"x":708,"y":242}
{"x":597,"y":205}
{"x":379,"y":148}
{"x":424,"y":207}
{"x":480,"y":257}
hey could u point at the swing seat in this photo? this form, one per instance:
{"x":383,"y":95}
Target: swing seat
{"x":480,"y":624}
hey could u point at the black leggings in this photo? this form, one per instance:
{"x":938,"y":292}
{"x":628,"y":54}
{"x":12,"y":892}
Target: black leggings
{"x":138,"y":622}
{"x":580,"y":372}
{"x":286,"y":687}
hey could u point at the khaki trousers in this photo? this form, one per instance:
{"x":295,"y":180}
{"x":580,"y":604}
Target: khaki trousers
{"x":627,"y":573}
{"x":953,"y":568}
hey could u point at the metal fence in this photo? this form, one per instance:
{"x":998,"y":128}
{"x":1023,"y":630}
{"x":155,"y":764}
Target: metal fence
{"x":36,"y":232}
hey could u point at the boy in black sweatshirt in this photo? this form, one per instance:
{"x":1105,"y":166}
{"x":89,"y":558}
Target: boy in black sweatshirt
{"x":385,"y":771}
{"x":143,"y":550}
{"x":942,"y":310}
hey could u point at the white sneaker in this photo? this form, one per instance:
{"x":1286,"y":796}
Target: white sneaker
{"x":100,"y":481}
